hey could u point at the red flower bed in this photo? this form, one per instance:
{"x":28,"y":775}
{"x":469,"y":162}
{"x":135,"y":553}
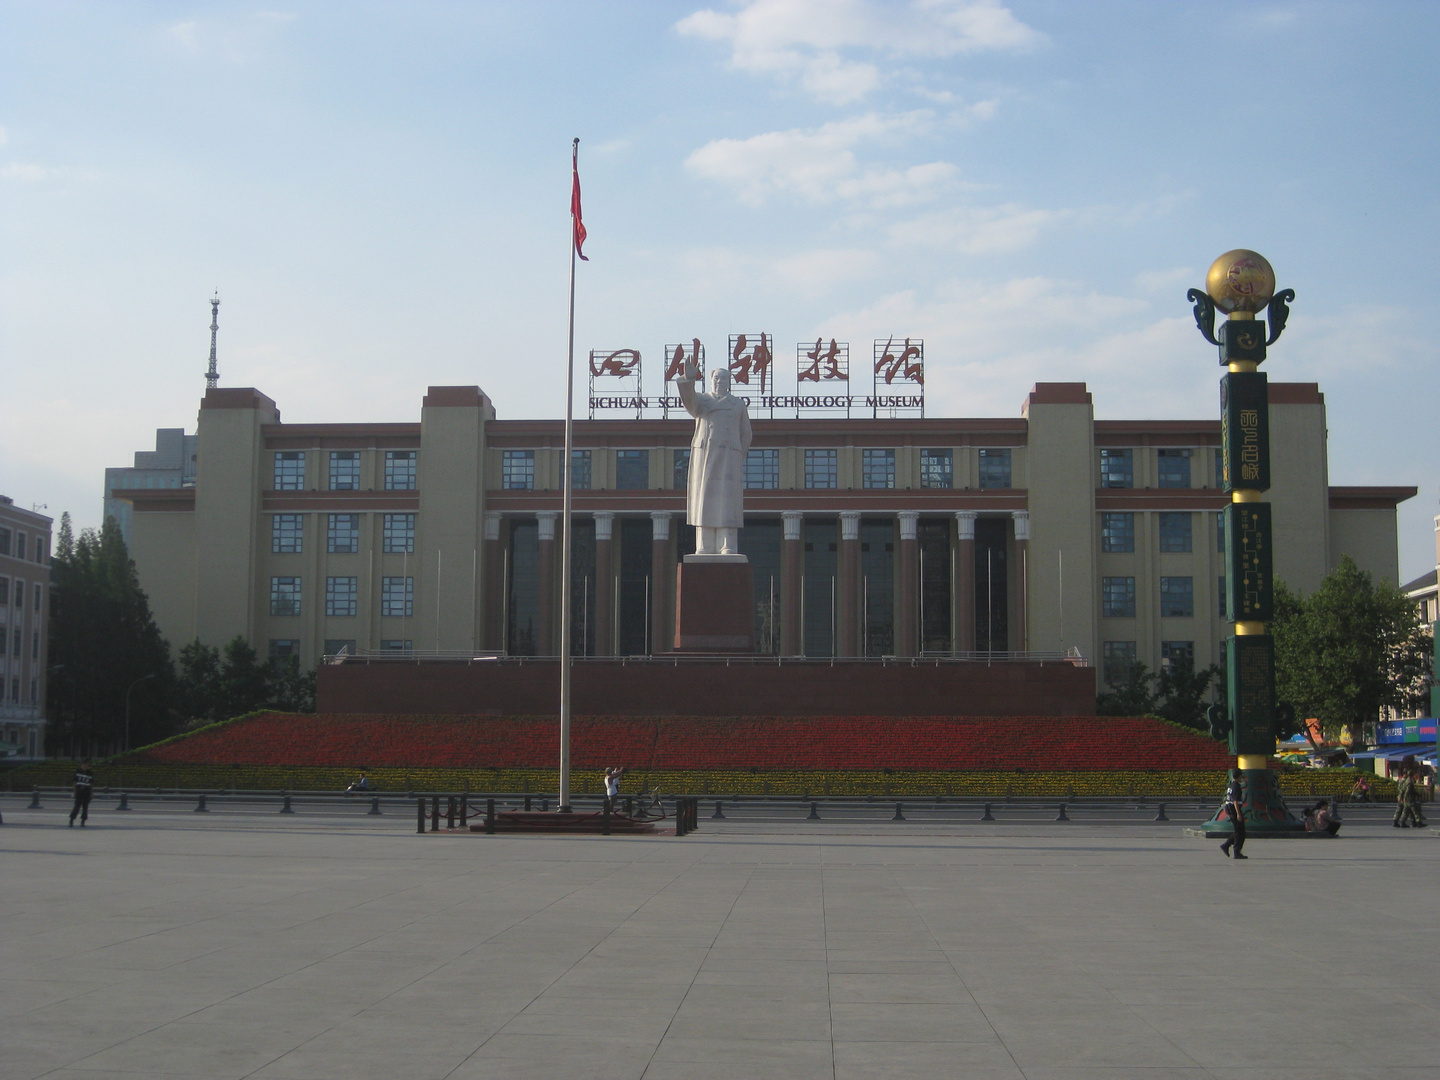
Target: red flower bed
{"x":842,"y":742}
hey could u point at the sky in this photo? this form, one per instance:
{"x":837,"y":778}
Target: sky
{"x":380,"y":193}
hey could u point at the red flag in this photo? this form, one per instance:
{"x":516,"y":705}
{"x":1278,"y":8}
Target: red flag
{"x":575,"y":203}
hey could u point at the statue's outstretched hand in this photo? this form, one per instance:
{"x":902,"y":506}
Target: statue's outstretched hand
{"x":692,"y":372}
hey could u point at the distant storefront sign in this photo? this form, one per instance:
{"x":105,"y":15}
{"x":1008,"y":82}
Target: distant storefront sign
{"x":1398,"y":732}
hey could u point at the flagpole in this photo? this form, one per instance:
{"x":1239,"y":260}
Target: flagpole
{"x":565,"y":470}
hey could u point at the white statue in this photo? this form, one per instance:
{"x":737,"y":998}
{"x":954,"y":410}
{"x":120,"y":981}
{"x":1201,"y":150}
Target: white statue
{"x":716,"y":501}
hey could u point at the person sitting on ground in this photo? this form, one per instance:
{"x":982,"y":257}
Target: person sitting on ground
{"x":1320,"y":818}
{"x":361,"y":784}
{"x":1361,"y":791}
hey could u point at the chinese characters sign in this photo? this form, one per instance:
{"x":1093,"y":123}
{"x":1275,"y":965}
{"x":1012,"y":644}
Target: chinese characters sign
{"x":1250,"y":675}
{"x":1245,"y":431}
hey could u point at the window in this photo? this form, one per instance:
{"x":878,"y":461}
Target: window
{"x":1175,"y":532}
{"x":290,"y":470}
{"x":284,"y":649}
{"x":632,"y":470}
{"x":937,"y":468}
{"x":42,"y":548}
{"x":1117,"y":532}
{"x":400,"y":470}
{"x":4,"y":541}
{"x":4,"y":591}
{"x":336,"y":646}
{"x":340,"y":593}
{"x":286,"y":532}
{"x":1220,"y":533}
{"x":19,"y":645}
{"x":15,"y":689}
{"x":397,"y":596}
{"x":399,"y":534}
{"x":284,"y":596}
{"x":1117,"y":468}
{"x":1118,"y":597}
{"x":877,"y":468}
{"x":822,"y":468}
{"x":345,"y":470}
{"x":580,"y":471}
{"x":682,"y":470}
{"x":762,"y":469}
{"x":1177,"y":656}
{"x":1221,"y":608}
{"x":342,"y":535}
{"x":1177,"y":597}
{"x":19,"y":593}
{"x":35,"y":592}
{"x":517,"y":470}
{"x":395,"y":645}
{"x":4,"y":645}
{"x":34,"y":691}
{"x":994,"y":468}
{"x":1174,"y":468}
{"x":1118,"y":660}
{"x":20,"y":545}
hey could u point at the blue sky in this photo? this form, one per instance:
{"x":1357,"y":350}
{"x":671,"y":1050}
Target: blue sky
{"x":380,"y":192}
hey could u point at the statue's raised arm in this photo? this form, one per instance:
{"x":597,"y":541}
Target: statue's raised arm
{"x":715,"y":495}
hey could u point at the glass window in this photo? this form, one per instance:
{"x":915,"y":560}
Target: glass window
{"x":284,"y":596}
{"x":397,"y":596}
{"x":286,"y":533}
{"x":336,"y":646}
{"x":822,"y":469}
{"x":1117,"y":468}
{"x":35,"y":592}
{"x":1221,"y":608}
{"x":762,"y":469}
{"x":877,"y":468}
{"x":4,"y":645}
{"x":284,"y":648}
{"x":19,"y":593}
{"x":343,"y":534}
{"x":340,"y":594}
{"x":395,"y":645}
{"x":937,"y":468}
{"x":632,"y":470}
{"x":1174,"y":468}
{"x":42,"y":548}
{"x":34,"y":691}
{"x":1175,"y":532}
{"x":4,"y":541}
{"x":1177,"y":656}
{"x":20,"y":545}
{"x":517,"y":470}
{"x":580,"y":471}
{"x":4,"y":591}
{"x":1177,"y":597}
{"x":345,"y":470}
{"x":1117,"y":532}
{"x":290,"y":470}
{"x":400,"y":470}
{"x":19,"y":645}
{"x":682,"y":470}
{"x":1118,"y":658}
{"x":1118,"y":597}
{"x":399,"y":534}
{"x":1220,"y":533}
{"x":994,"y":468}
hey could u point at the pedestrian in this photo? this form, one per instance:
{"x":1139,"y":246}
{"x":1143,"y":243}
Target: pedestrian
{"x":84,"y":785}
{"x":1234,"y":806}
{"x":1402,"y":797}
{"x":1414,"y":792}
{"x":612,"y":783}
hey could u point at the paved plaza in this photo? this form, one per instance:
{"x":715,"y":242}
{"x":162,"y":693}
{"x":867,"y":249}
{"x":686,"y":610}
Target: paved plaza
{"x":164,"y":943}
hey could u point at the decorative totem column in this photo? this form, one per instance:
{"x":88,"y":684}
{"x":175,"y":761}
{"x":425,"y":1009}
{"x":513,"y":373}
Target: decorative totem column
{"x":604,"y":594}
{"x":1242,"y":284}
{"x":792,"y":570}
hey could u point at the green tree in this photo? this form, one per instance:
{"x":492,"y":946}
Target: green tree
{"x":1134,"y":695}
{"x":1182,"y":693}
{"x":105,"y":649}
{"x":216,"y":685}
{"x":1349,"y":650}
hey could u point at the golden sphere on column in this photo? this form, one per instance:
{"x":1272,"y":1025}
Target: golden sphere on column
{"x":1240,"y":280}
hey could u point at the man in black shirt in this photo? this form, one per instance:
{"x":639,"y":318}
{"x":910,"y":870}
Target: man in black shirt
{"x":84,"y":784}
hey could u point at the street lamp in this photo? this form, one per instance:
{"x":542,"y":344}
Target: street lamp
{"x":134,"y":684}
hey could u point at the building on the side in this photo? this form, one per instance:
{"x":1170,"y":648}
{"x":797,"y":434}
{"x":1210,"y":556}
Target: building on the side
{"x":1049,"y":532}
{"x":170,"y":465}
{"x":24,"y":629}
{"x":1423,"y":590}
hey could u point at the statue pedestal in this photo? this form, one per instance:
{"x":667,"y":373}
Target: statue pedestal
{"x":714,"y":605}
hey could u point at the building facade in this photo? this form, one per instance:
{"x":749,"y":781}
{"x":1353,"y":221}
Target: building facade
{"x":24,"y":629}
{"x":170,"y":465}
{"x":1049,"y":532}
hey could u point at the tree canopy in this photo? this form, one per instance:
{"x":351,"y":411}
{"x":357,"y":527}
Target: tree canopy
{"x":1176,"y":693}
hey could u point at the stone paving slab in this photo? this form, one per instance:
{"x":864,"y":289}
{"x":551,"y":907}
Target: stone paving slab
{"x":162,"y":943}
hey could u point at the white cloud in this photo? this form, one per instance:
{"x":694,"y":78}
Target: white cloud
{"x":807,"y":39}
{"x":977,"y":230}
{"x":820,"y":165}
{"x":24,"y":172}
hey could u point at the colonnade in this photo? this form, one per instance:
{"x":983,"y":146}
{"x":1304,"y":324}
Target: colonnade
{"x":848,"y":601}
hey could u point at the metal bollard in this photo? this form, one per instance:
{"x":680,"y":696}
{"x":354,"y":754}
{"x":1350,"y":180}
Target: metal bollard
{"x":899,"y":815}
{"x":1161,"y":815}
{"x":545,"y":805}
{"x":124,"y":801}
{"x":450,"y":813}
{"x":200,"y":807}
{"x":374,"y":806}
{"x":35,"y":799}
{"x":490,"y":817}
{"x":420,"y":816}
{"x":987,"y":816}
{"x":629,"y":806}
{"x":287,"y":808}
{"x":814,"y":812}
{"x":1062,"y":816}
{"x":465,"y":809}
{"x":527,"y":804}
{"x":435,"y":813}
{"x":719,"y":814}
{"x":605,"y":818}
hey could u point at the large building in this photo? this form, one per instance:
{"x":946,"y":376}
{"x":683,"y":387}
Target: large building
{"x":24,"y":629}
{"x":170,"y":465}
{"x":1050,"y":532}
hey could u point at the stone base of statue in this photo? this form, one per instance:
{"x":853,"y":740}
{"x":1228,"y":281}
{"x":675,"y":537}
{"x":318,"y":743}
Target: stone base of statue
{"x":1264,"y":808}
{"x":714,"y":605}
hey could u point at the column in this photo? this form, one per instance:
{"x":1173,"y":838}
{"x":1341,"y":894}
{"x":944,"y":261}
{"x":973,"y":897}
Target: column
{"x":662,"y":578}
{"x":964,"y":581}
{"x":545,"y":620}
{"x":604,"y":582}
{"x":1020,"y":639}
{"x":847,"y":586}
{"x":492,"y":587}
{"x":907,"y":600}
{"x":792,"y":572}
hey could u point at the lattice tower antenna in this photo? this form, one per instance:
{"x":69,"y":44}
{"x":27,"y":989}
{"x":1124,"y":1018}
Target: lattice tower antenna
{"x":212,"y":377}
